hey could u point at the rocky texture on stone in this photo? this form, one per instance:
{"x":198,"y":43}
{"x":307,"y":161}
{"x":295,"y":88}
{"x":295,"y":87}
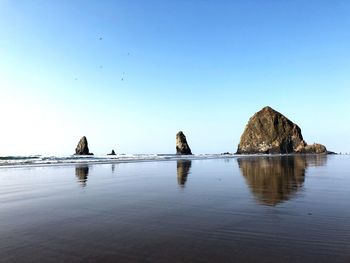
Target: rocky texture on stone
{"x":181,"y":144}
{"x":82,"y":147}
{"x":270,"y":132}
{"x":314,"y":148}
{"x":112,"y":153}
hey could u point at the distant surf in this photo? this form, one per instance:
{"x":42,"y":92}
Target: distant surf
{"x":72,"y":159}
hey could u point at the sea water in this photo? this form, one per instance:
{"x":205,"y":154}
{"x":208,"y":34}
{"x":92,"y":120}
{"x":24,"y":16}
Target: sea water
{"x":237,"y":209}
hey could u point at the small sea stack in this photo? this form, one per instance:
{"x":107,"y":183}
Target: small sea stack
{"x":82,"y":147}
{"x":182,"y":145}
{"x":270,"y":132}
{"x":112,"y":153}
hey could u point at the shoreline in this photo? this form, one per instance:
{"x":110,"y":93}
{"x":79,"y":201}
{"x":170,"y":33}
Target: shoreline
{"x":87,"y":160}
{"x":71,"y":162}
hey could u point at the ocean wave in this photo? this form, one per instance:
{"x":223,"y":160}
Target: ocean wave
{"x":47,"y":160}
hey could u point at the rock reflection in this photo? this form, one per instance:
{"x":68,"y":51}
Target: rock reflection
{"x":276,"y":179}
{"x":82,"y":172}
{"x":316,"y":159}
{"x":183,"y":169}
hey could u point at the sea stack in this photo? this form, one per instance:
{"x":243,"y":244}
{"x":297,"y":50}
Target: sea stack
{"x":270,"y":132}
{"x":112,"y":153}
{"x":82,"y":147}
{"x":181,"y":144}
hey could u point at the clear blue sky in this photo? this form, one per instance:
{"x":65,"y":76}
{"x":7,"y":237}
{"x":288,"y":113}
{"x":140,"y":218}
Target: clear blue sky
{"x":203,"y":67}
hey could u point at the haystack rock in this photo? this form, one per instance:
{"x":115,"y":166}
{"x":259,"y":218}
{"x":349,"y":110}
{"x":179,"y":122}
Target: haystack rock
{"x":181,"y":144}
{"x":270,"y":132}
{"x":82,"y":147}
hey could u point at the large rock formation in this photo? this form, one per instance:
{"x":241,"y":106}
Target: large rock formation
{"x":82,"y":147}
{"x":268,"y":131}
{"x":181,"y":144}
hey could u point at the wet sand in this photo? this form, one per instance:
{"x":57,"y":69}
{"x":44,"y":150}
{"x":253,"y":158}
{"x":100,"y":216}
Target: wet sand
{"x":245,"y":209}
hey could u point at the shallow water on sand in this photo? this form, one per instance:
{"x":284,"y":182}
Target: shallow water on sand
{"x":246,"y":209}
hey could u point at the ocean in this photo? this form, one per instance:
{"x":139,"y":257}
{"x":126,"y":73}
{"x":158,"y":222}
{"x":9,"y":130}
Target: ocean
{"x":167,"y":208}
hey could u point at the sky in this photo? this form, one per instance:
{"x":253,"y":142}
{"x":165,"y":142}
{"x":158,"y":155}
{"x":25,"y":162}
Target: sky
{"x":130,"y":74}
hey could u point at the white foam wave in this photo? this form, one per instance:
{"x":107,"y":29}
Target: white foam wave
{"x":47,"y":160}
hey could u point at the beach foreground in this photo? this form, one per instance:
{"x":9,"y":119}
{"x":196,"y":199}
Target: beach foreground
{"x":242,"y":209}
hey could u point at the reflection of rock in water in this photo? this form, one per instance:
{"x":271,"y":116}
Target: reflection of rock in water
{"x":276,"y":179}
{"x":82,"y":172}
{"x":183,"y":169}
{"x":316,"y":159}
{"x":113,"y":168}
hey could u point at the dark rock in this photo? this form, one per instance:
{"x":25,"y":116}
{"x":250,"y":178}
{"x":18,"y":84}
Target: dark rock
{"x":82,"y":147}
{"x":314,"y":148}
{"x":112,"y":153}
{"x":331,"y":153}
{"x":270,"y":132}
{"x":226,"y":153}
{"x":181,"y":144}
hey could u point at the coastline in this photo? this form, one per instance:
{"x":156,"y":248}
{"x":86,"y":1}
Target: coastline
{"x":85,"y":160}
{"x":47,"y":161}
